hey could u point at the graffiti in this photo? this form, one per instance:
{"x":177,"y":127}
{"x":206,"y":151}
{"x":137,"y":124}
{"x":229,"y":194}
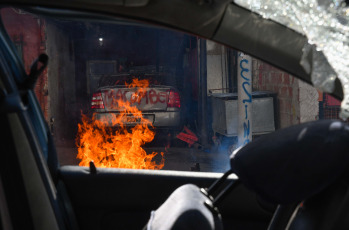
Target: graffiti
{"x":244,"y":69}
{"x":247,"y":129}
{"x":148,"y":97}
{"x":247,"y":100}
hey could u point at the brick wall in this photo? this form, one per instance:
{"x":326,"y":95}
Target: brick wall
{"x":28,"y":35}
{"x":268,"y":78}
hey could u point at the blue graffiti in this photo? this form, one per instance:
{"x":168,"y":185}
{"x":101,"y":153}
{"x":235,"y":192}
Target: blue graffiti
{"x":244,"y":69}
{"x":247,"y":129}
{"x":246,"y":82}
{"x":249,"y":100}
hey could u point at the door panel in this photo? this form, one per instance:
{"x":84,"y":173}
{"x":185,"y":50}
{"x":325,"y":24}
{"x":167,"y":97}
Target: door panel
{"x":123,"y":198}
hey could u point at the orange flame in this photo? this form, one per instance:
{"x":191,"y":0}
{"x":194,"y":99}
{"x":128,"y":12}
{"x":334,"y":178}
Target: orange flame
{"x":121,"y":148}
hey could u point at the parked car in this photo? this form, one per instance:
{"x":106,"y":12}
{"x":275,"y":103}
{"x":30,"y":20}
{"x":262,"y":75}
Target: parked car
{"x":158,"y":103}
{"x":37,"y":193}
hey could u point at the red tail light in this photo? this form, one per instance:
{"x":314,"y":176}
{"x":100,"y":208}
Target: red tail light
{"x":173,"y":99}
{"x":97,"y":101}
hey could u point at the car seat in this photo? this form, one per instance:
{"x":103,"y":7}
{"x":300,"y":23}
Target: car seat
{"x":302,"y":168}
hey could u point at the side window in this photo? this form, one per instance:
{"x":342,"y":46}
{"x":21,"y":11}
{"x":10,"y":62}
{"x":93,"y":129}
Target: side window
{"x":128,"y":95}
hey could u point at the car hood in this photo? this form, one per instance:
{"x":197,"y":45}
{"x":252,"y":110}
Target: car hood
{"x":249,"y":26}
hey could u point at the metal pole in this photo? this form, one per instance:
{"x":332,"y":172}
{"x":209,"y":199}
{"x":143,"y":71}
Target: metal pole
{"x":202,"y":100}
{"x":244,"y":99}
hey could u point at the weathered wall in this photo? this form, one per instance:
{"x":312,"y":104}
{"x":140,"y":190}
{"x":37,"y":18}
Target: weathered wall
{"x":28,"y":34}
{"x":308,"y":102}
{"x":217,"y":67}
{"x":268,"y":78}
{"x":61,"y":76}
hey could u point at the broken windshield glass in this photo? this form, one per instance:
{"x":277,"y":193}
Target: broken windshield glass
{"x":325,"y":23}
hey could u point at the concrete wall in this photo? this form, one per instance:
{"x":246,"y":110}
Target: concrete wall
{"x":308,"y":102}
{"x":61,"y":76}
{"x":217,"y":66}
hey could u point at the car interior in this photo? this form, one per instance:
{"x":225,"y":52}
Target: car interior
{"x":293,"y":178}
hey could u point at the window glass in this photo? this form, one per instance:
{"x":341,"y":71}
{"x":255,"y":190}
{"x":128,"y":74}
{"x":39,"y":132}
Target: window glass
{"x":133,"y":96}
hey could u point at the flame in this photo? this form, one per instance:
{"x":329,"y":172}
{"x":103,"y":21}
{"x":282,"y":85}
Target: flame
{"x":121,"y":148}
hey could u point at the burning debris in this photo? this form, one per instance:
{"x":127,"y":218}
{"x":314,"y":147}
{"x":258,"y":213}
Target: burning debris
{"x":120,"y":147}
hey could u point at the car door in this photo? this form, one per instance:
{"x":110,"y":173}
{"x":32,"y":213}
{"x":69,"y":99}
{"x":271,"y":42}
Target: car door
{"x":25,"y":176}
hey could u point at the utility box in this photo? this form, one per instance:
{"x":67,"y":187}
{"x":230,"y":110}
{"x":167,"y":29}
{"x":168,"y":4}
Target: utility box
{"x":225,"y":113}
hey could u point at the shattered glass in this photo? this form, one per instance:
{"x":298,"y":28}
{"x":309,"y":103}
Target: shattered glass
{"x":325,"y":23}
{"x":315,"y":63}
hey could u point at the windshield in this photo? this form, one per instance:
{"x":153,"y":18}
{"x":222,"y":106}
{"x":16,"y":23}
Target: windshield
{"x":128,"y":95}
{"x":325,"y":23}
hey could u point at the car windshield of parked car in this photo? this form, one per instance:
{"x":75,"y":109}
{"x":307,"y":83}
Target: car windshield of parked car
{"x":128,"y":95}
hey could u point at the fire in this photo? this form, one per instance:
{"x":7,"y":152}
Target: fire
{"x":121,"y":148}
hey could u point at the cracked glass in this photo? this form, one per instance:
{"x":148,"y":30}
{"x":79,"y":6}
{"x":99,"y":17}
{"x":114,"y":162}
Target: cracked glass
{"x":325,"y":23}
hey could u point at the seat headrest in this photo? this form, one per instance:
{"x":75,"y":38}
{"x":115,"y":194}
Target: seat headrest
{"x":185,"y":209}
{"x":294,"y":163}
